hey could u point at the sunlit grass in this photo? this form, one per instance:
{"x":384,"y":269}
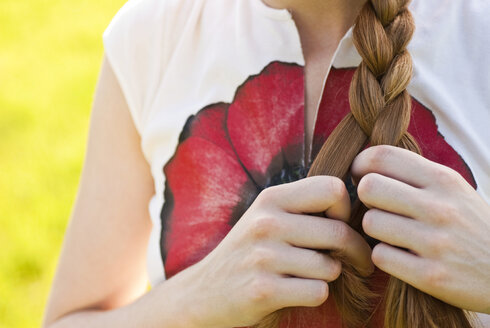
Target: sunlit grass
{"x":50,"y":53}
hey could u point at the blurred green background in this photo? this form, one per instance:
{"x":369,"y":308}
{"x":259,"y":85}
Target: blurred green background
{"x":50,"y":55}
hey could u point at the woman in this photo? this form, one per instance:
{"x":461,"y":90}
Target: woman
{"x":226,"y":99}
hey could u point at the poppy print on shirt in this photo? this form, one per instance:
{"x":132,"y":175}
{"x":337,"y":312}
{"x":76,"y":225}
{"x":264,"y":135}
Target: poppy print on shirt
{"x":228,"y":153}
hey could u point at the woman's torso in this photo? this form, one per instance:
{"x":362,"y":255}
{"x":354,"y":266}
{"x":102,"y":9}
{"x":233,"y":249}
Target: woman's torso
{"x":216,"y":89}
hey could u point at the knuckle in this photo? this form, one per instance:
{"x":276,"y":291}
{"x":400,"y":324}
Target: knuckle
{"x":375,"y":156}
{"x":266,"y":196}
{"x":439,"y":243}
{"x":449,"y":211}
{"x":334,"y":187}
{"x":263,"y":227}
{"x":261,"y":289}
{"x":260,"y":257}
{"x":444,"y":175}
{"x":435,"y":276}
{"x":440,"y":212}
{"x":341,"y":233}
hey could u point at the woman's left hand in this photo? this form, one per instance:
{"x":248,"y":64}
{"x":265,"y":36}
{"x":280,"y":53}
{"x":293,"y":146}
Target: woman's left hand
{"x":433,"y":226}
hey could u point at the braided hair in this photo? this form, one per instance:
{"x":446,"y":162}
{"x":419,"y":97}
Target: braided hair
{"x":380,"y":108}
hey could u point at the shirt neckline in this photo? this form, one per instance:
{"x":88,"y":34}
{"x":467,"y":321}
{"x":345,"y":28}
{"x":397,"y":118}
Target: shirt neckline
{"x":344,"y":51}
{"x":274,"y":13}
{"x":344,"y":46}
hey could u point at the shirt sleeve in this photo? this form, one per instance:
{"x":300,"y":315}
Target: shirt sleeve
{"x":133,"y":44}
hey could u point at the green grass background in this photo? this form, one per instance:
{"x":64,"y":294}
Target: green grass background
{"x":50,"y":55}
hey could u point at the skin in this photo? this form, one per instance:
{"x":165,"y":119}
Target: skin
{"x":431,"y":211}
{"x":261,"y":265}
{"x":101,"y":280}
{"x":333,"y":18}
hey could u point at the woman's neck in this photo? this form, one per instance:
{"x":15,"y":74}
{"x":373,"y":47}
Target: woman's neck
{"x":321,"y":21}
{"x":321,"y":25}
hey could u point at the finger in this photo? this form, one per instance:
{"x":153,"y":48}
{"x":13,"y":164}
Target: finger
{"x":396,"y":163}
{"x":391,"y":195}
{"x":293,"y":291}
{"x":311,"y":195}
{"x":422,"y":273}
{"x":306,"y":263}
{"x":397,"y":230}
{"x":328,"y":234}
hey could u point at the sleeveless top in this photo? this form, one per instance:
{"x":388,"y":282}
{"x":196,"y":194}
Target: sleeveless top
{"x":216,"y":91}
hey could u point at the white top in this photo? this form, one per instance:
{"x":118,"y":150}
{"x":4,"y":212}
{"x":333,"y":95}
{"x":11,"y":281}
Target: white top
{"x":173,"y":58}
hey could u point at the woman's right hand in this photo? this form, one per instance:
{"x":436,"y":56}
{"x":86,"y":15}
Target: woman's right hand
{"x":269,"y":260}
{"x":272,"y":258}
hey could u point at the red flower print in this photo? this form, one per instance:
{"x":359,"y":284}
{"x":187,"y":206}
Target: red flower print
{"x":335,"y":105}
{"x":228,"y":153}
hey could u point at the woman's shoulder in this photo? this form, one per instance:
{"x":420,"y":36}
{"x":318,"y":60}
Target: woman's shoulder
{"x":144,"y":12}
{"x":452,"y":44}
{"x":461,"y":24}
{"x":143,"y":23}
{"x":138,"y":44}
{"x":147,"y":18}
{"x":450,"y":52}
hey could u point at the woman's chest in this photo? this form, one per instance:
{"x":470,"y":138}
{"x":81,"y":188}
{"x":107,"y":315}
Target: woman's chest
{"x":228,"y":152}
{"x":315,"y":71}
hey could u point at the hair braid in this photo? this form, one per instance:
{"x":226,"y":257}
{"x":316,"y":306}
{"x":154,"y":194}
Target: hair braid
{"x":381,"y":106}
{"x":380,"y":114}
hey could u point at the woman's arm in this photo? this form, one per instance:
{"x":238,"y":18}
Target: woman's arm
{"x":102,"y":264}
{"x":268,"y":261}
